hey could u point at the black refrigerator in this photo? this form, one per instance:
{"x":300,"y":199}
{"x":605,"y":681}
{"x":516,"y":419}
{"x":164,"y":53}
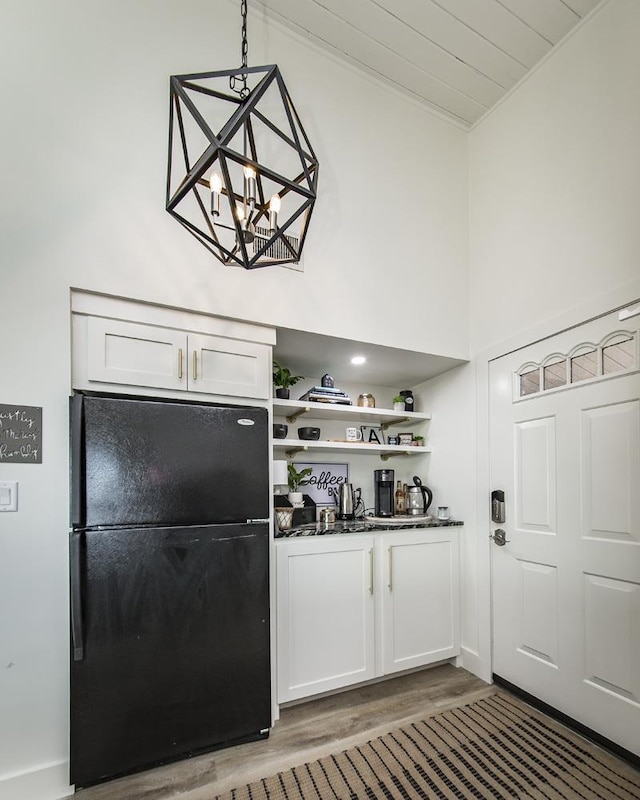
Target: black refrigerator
{"x":169,"y":581}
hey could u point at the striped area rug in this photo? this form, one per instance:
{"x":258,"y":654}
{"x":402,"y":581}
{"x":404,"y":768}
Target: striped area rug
{"x":494,"y":748}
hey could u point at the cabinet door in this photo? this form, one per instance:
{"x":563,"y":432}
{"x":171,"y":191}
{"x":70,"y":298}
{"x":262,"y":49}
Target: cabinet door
{"x":419,"y":571}
{"x":325,"y":608}
{"x":229,"y":367}
{"x":136,"y":355}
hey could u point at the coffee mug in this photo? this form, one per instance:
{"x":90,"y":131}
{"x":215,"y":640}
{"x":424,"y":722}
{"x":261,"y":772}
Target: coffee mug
{"x":443,"y":512}
{"x":354,"y":435}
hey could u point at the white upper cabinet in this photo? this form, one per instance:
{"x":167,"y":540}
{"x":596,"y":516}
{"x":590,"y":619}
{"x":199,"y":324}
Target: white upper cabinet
{"x":152,"y":350}
{"x":135,"y":355}
{"x":227,"y":366}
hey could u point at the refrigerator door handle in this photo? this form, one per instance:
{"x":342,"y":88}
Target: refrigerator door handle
{"x":77,"y":461}
{"x":75,"y":571}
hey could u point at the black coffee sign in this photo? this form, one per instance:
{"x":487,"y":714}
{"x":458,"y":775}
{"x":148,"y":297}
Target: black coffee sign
{"x":20,"y":434}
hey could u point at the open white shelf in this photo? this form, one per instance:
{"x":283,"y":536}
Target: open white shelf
{"x":294,"y":446}
{"x":294,"y":409}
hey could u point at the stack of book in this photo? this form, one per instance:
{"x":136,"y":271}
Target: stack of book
{"x":326,"y":394}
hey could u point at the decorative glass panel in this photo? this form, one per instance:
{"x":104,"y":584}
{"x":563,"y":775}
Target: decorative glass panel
{"x":530,"y":382}
{"x":555,"y":375}
{"x":616,"y":353}
{"x":584,"y":367}
{"x":618,"y":357}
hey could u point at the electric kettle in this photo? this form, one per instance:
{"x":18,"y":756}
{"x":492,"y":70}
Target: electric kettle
{"x":347,"y":499}
{"x":419,"y":498}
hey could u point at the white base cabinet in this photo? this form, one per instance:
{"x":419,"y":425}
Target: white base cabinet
{"x":354,"y":607}
{"x":324,"y":614}
{"x":419,"y":597}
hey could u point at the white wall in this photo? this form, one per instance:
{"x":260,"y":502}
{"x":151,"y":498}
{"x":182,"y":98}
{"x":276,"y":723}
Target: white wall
{"x":554,"y":189}
{"x":451,"y":476}
{"x":554,"y":203}
{"x":83,"y":161}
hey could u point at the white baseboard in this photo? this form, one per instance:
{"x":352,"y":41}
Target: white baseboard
{"x":46,"y":783}
{"x":473,"y":663}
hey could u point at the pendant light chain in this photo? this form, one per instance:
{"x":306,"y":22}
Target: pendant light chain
{"x":245,"y":190}
{"x":234,"y":80}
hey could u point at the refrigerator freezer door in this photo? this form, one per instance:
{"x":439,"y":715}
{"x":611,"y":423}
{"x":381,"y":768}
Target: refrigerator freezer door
{"x":148,"y":462}
{"x":176,"y":646}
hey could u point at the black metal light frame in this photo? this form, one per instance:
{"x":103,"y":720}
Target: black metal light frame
{"x":192,"y":165}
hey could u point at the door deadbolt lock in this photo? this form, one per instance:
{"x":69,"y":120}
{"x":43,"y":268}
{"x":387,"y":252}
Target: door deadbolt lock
{"x":499,"y":537}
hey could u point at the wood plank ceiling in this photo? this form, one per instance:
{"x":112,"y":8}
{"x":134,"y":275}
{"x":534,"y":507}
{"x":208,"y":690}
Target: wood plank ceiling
{"x":458,"y":57}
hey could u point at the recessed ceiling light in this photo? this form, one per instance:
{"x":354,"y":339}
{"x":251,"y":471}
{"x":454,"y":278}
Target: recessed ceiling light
{"x":358,"y":360}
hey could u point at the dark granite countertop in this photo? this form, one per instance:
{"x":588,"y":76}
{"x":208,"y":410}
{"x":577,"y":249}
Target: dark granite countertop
{"x":365,"y":526}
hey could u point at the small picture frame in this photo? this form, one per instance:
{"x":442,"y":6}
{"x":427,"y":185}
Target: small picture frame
{"x":372,"y":434}
{"x":405,"y":439}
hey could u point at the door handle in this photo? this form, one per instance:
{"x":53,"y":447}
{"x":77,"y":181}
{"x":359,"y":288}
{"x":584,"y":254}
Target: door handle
{"x":371,"y":570}
{"x":390,"y":584}
{"x":195,"y":365}
{"x":180,"y":357}
{"x":77,"y":464}
{"x":499,"y":537}
{"x":75,"y":572}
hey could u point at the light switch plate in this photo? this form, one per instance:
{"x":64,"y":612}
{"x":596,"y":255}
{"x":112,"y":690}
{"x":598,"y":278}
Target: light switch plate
{"x":8,"y":496}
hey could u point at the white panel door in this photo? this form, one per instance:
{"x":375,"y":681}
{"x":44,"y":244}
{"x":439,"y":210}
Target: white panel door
{"x":419,"y":597}
{"x":325,"y":614}
{"x":218,"y":365}
{"x":565,"y":448}
{"x":136,"y":355}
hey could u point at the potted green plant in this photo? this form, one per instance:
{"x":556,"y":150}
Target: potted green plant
{"x":283,"y":379}
{"x":296,"y":480}
{"x":418,"y":441}
{"x":398,"y":403}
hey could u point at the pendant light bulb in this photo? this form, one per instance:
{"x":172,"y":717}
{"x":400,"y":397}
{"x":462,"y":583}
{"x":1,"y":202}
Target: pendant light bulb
{"x":247,"y":228}
{"x":250,"y":186}
{"x":274,"y":209}
{"x":215,"y":184}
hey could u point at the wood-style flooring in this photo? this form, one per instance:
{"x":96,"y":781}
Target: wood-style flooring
{"x":304,"y":732}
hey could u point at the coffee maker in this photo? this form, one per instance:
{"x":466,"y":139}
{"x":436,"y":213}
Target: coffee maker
{"x":384,"y":492}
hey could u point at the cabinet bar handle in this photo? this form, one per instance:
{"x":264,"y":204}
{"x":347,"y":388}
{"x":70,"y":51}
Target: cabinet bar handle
{"x":371,"y":570}
{"x":180,"y":357}
{"x":195,"y":365}
{"x":390,"y":570}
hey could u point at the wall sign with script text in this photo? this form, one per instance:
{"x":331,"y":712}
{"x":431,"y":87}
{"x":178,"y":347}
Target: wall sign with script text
{"x":323,"y":478}
{"x":20,"y":434}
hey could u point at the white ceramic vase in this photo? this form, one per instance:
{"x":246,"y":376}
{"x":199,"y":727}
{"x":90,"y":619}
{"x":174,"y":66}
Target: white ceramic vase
{"x":296,"y":499}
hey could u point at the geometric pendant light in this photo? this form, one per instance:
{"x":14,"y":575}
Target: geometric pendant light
{"x":242,"y":175}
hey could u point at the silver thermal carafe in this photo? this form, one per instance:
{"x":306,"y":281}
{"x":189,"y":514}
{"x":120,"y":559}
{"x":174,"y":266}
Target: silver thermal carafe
{"x":384,"y":492}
